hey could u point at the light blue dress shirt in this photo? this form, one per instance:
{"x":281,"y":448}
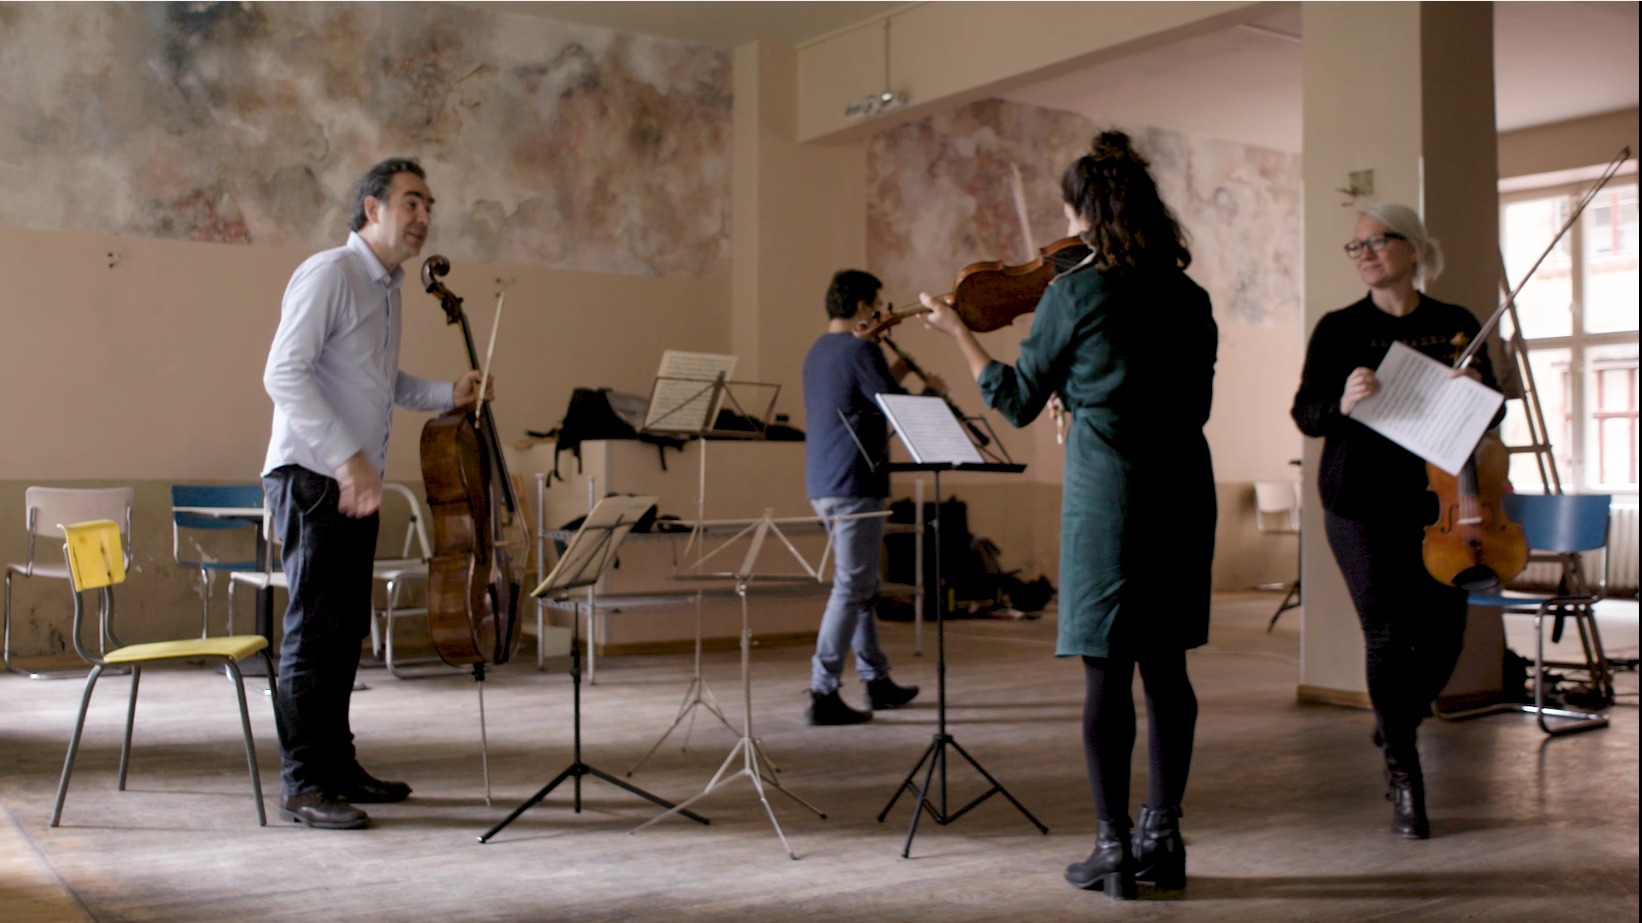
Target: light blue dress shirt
{"x":333,"y":370}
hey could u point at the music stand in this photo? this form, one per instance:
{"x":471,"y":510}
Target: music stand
{"x":753,"y":761}
{"x":930,"y":432}
{"x":585,"y":559}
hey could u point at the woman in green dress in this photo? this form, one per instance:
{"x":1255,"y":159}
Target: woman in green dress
{"x":1127,"y":342}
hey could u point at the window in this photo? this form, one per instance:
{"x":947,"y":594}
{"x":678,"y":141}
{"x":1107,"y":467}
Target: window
{"x":1579,"y":321}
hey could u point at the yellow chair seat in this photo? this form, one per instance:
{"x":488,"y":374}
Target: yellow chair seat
{"x":234,"y":647}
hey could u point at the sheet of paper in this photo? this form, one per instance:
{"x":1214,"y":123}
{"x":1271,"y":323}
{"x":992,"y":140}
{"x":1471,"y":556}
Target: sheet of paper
{"x":929,"y":430}
{"x":1426,"y":410}
{"x":683,"y":397}
{"x":595,"y":544}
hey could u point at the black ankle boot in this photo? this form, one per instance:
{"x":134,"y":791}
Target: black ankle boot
{"x":1406,"y":792}
{"x":1111,"y":867}
{"x":1160,"y":853}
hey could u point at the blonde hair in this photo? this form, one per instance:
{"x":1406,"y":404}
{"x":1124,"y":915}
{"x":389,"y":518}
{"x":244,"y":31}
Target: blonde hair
{"x":1405,"y":221}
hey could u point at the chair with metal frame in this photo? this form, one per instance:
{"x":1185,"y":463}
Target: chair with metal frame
{"x":46,"y":507}
{"x":1277,"y":512}
{"x":95,"y":561}
{"x":207,"y":532}
{"x":1560,"y":528}
{"x":398,"y":574}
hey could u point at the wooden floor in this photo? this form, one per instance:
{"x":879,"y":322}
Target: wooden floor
{"x":1284,"y":817}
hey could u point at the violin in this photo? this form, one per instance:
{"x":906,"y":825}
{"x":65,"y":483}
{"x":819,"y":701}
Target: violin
{"x":990,"y":295}
{"x":1473,"y":545}
{"x":474,"y":576}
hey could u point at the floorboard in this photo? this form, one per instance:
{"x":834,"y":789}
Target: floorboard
{"x":1284,"y":818}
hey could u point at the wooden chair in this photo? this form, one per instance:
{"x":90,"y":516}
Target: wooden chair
{"x":95,"y":562}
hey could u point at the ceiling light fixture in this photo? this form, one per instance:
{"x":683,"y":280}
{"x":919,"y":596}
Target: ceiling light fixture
{"x":878,"y":103}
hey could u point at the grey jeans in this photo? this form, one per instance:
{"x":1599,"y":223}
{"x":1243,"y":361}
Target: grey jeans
{"x":849,"y":620}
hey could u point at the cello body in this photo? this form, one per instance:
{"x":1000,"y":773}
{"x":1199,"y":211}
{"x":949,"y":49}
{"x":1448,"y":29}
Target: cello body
{"x":1473,"y":545}
{"x":473,"y":577}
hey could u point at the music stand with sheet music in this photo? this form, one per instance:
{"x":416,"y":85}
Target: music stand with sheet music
{"x":937,"y":442}
{"x":584,"y":560}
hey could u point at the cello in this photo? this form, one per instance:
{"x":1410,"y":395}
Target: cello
{"x":474,"y":576}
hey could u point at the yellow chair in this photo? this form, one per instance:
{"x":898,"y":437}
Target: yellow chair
{"x":96,"y":562}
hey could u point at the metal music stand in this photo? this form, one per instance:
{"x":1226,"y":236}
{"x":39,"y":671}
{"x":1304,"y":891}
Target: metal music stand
{"x":584,"y":560}
{"x":755,"y":766}
{"x":924,"y":428}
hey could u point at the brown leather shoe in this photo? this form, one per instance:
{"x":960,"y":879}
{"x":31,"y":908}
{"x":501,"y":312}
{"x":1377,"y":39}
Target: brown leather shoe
{"x":368,"y":789}
{"x":323,"y":811}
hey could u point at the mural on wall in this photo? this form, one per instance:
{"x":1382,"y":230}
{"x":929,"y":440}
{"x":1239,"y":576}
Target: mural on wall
{"x":545,"y":143}
{"x":939,"y":196}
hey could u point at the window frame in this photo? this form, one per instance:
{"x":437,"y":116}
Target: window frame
{"x":1578,"y":342}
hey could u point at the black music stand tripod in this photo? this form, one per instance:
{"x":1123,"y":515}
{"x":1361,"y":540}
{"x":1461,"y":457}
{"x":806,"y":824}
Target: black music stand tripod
{"x":933,"y":435}
{"x":585,"y":559}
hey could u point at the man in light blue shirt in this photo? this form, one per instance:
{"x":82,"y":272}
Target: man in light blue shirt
{"x":333,"y":373}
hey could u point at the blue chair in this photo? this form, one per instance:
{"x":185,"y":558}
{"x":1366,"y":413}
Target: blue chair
{"x":1560,"y":528}
{"x":204,"y":532}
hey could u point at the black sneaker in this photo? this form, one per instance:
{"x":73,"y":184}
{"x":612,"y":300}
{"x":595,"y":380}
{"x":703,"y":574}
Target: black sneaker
{"x":827,"y":709}
{"x":883,"y":693}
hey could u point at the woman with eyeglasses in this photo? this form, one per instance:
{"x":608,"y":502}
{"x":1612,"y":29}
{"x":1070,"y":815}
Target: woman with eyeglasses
{"x":1376,"y":501}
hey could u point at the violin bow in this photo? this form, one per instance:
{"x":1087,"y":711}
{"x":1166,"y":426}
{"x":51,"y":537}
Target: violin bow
{"x":490,"y":351}
{"x":1019,"y":190}
{"x":1511,"y":296}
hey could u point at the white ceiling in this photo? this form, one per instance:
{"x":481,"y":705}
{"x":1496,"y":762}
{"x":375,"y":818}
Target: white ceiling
{"x":1552,"y":60}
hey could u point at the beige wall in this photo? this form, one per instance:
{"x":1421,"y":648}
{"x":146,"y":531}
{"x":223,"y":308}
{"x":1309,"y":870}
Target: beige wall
{"x":944,"y":54}
{"x":1570,"y":145}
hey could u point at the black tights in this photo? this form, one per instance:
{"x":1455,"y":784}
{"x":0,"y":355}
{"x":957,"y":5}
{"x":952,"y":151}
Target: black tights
{"x":1109,"y":729}
{"x":1413,"y":626}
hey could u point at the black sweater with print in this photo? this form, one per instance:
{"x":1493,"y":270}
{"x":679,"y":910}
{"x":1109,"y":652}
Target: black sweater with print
{"x":1363,"y":475}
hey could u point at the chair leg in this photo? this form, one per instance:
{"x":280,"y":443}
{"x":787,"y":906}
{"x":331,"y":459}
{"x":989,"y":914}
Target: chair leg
{"x":1285,"y":605}
{"x":205,"y":603}
{"x":1574,"y":721}
{"x":250,"y":742}
{"x":74,"y":744}
{"x":130,"y":721}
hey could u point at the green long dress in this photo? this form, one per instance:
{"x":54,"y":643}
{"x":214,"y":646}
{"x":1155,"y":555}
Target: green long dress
{"x":1133,"y":357}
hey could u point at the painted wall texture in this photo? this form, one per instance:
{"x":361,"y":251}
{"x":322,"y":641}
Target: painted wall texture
{"x":547,"y":144}
{"x":939,"y":196}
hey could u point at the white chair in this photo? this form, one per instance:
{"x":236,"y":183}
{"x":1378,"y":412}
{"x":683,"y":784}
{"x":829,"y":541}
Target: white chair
{"x":1277,"y":512}
{"x":46,"y":507}
{"x":397,"y":574}
{"x":269,"y":577}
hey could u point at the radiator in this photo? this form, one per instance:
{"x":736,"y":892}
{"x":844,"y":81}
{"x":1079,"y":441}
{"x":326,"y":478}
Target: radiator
{"x":1622,"y":555}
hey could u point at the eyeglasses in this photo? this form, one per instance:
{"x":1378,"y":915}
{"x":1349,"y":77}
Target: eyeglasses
{"x":1375,"y":244}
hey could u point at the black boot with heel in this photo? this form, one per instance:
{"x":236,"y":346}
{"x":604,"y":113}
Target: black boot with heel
{"x":1406,"y":792}
{"x":1111,"y":867}
{"x":1160,"y":853}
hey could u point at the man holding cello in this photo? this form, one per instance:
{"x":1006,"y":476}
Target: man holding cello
{"x":333,"y":374}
